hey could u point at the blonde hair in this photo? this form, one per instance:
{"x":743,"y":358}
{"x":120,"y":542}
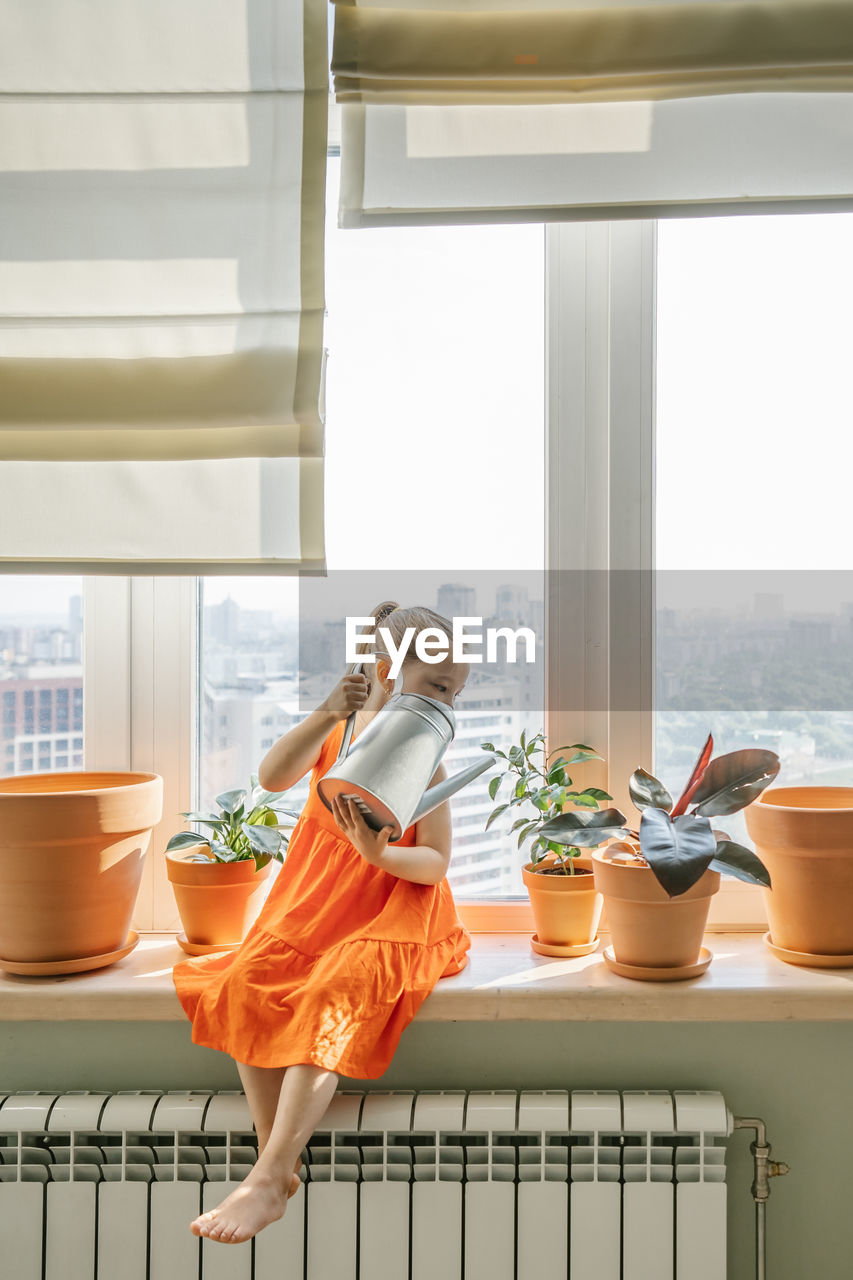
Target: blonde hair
{"x":395,"y":619}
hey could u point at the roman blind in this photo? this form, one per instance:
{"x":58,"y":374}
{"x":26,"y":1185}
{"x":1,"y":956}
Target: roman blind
{"x":162,"y":184}
{"x":469,"y":110}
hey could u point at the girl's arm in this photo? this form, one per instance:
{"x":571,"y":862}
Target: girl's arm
{"x":298,"y":750}
{"x":423,"y":863}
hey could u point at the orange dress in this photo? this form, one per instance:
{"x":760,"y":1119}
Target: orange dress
{"x":336,"y":965}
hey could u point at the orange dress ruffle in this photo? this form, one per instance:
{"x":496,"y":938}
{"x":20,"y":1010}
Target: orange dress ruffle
{"x":336,"y":965}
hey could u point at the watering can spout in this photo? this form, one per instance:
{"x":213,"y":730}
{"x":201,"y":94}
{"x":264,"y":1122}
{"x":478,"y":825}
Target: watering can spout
{"x":434,"y":796}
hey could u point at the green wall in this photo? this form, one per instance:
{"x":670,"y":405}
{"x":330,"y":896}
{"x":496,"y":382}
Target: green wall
{"x":796,"y":1076}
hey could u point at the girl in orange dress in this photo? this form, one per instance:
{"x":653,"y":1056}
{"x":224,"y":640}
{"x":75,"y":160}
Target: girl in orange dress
{"x":353,"y":936}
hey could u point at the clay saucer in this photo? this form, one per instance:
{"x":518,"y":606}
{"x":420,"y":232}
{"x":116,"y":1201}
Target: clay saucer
{"x":204,"y":948}
{"x":649,"y":974}
{"x":806,"y":959}
{"x":552,"y":949}
{"x":45,"y":968}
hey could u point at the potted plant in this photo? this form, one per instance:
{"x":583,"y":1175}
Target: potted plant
{"x":218,"y":883}
{"x":658,"y":888}
{"x":72,"y":851}
{"x":566,"y":906}
{"x":805,"y":836}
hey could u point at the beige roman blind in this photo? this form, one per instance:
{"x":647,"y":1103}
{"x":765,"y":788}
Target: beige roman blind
{"x":466,"y":110}
{"x":162,"y":184}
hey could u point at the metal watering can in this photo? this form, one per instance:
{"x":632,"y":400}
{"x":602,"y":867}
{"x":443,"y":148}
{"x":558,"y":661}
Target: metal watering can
{"x":388,"y":770}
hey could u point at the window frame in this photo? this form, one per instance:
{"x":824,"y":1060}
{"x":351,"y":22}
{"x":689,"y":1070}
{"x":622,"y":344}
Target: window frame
{"x":141,"y":678}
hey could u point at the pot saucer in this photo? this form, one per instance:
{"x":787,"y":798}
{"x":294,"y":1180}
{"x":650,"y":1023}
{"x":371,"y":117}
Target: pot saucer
{"x":806,"y":958}
{"x":551,"y":949}
{"x":204,"y":948}
{"x":649,"y":974}
{"x":45,"y":968}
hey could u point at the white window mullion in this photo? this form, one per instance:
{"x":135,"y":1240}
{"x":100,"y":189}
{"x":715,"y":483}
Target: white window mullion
{"x":600,"y":509}
{"x":163,"y":720}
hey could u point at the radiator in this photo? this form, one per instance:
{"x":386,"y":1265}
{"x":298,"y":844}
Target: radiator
{"x":594,"y":1185}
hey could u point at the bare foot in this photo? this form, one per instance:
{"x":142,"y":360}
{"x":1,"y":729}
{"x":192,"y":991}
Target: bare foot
{"x":249,"y":1208}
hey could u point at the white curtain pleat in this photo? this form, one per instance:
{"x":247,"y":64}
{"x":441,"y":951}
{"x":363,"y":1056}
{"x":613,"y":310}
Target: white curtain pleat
{"x":535,"y":147}
{"x":162,"y":178}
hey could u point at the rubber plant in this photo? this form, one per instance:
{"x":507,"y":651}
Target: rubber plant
{"x":548,"y":788}
{"x":677,"y":839}
{"x":247,"y":826}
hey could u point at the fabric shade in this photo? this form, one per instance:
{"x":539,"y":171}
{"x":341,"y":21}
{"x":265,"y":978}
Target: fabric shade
{"x":463,"y":51}
{"x":660,"y":109}
{"x":162,"y":178}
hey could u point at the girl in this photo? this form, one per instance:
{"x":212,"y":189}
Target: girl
{"x":352,"y":938}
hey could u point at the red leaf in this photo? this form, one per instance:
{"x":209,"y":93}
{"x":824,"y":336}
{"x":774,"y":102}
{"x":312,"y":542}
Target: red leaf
{"x":695,"y":778}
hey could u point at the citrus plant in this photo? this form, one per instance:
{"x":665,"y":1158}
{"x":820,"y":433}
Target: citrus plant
{"x":547,"y":788}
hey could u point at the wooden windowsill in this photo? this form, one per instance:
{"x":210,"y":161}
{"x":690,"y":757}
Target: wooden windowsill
{"x":503,"y":981}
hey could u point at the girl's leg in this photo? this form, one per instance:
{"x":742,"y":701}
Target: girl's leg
{"x":262,"y":1087}
{"x":261,"y":1198}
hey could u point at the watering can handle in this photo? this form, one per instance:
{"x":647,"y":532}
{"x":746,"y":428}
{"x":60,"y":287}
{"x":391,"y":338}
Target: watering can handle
{"x":343,"y":751}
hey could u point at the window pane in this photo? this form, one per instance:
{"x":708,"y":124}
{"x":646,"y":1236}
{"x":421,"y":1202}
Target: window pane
{"x":754,"y":450}
{"x":41,"y":672}
{"x":435,"y":467}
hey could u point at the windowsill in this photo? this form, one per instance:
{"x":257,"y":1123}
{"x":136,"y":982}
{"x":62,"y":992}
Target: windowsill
{"x":503,"y":981}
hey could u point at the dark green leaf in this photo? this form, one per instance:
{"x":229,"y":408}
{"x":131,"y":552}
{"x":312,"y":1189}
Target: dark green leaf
{"x":733,"y":781}
{"x":494,"y":784}
{"x":597,"y":793}
{"x":733,"y":859}
{"x":186,"y":840}
{"x":557,"y":775}
{"x":519,"y":822}
{"x":487,"y":746}
{"x":523,"y":739}
{"x":230,"y":801}
{"x":587,"y":830}
{"x":495,"y":814}
{"x":520,"y":787}
{"x":678,"y":850}
{"x":525,"y":832}
{"x":263,"y":839}
{"x":585,"y":800}
{"x":647,"y":790}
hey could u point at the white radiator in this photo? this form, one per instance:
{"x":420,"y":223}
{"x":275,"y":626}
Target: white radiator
{"x":397,"y":1186}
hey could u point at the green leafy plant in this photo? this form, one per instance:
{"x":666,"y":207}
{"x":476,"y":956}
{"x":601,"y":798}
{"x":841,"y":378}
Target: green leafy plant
{"x":680,"y":844}
{"x":546,"y":788}
{"x":247,"y":826}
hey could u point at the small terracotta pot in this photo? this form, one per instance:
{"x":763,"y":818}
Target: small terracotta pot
{"x":72,"y":848}
{"x":218,"y":901}
{"x":566,"y":908}
{"x":804,"y":837}
{"x":647,"y":927}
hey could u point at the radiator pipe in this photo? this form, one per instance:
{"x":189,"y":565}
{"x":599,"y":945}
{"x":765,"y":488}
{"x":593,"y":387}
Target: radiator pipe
{"x":763,"y":1170}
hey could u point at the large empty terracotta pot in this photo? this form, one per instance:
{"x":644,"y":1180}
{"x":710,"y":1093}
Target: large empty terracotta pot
{"x":72,"y":847}
{"x":217,"y":901}
{"x":647,"y":927}
{"x":804,"y":837}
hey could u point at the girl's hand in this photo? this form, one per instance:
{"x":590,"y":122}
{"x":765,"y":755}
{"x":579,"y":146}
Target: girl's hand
{"x":369,"y":843}
{"x":348,"y":695}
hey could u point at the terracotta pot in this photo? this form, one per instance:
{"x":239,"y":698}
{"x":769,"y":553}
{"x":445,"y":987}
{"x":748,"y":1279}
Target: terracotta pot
{"x":72,"y":847}
{"x":566,"y":908}
{"x":218,"y":901}
{"x":804,"y":837}
{"x":647,"y":927}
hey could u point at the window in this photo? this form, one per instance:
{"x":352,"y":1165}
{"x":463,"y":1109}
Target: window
{"x":41,"y":667}
{"x":754,"y":619}
{"x":437,"y":407}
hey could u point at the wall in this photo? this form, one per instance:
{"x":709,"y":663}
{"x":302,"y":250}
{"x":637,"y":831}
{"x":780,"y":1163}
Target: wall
{"x":796,"y":1076}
